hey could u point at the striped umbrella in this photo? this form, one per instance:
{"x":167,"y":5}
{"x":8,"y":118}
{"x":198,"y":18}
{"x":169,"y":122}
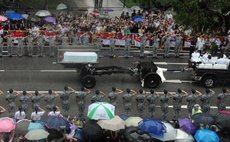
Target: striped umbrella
{"x":100,"y":111}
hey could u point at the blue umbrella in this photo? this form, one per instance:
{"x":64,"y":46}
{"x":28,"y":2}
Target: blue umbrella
{"x":206,"y":135}
{"x":14,"y":16}
{"x":152,"y":126}
{"x":57,"y":122}
{"x":9,"y":11}
{"x":186,"y":125}
{"x":203,"y":118}
{"x":35,"y":125}
{"x":138,"y":19}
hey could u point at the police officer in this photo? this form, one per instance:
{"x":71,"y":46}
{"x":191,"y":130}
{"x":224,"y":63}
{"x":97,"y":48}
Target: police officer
{"x":113,"y":96}
{"x":127,"y":46}
{"x":52,"y":46}
{"x":191,"y":99}
{"x":81,"y":100}
{"x":151,"y":99}
{"x":50,"y":99}
{"x":127,"y":100}
{"x":112,"y":45}
{"x":167,"y":42}
{"x":155,"y":45}
{"x":164,"y":104}
{"x":99,"y":45}
{"x":179,"y":43}
{"x":30,"y":45}
{"x":10,"y":98}
{"x":1,"y":45}
{"x":20,"y":46}
{"x":64,"y":97}
{"x":221,"y":99}
{"x":140,"y":98}
{"x":75,"y":39}
{"x":86,"y":39}
{"x":40,"y":44}
{"x":36,"y":99}
{"x":205,"y":100}
{"x":64,"y":40}
{"x":98,"y":96}
{"x":10,"y":45}
{"x":177,"y":102}
{"x":143,"y":45}
{"x":24,"y":100}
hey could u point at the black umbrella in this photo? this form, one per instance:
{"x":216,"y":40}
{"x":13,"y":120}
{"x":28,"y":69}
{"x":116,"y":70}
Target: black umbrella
{"x":91,"y":131}
{"x":203,"y":118}
{"x":222,"y":121}
{"x":134,"y":134}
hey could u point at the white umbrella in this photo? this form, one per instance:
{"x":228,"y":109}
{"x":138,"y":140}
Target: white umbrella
{"x":132,"y":121}
{"x":182,"y":136}
{"x":135,"y":8}
{"x":61,"y":6}
{"x":169,"y":135}
{"x":43,"y":13}
{"x":101,"y":111}
{"x":113,"y":124}
{"x":25,"y":16}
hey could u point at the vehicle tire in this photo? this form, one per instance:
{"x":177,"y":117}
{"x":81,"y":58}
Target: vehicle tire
{"x":88,"y":81}
{"x":209,"y":81}
{"x":152,"y":80}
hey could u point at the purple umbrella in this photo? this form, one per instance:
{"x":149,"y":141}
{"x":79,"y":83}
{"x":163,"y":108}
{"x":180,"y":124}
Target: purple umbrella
{"x":186,"y":125}
{"x":50,"y":19}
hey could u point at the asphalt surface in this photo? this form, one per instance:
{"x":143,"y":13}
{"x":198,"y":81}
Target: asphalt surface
{"x":44,"y":73}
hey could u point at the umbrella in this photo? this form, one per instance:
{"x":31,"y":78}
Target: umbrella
{"x":113,"y":124}
{"x":132,"y":121}
{"x":152,"y":126}
{"x":14,"y":16}
{"x":186,"y":125}
{"x":57,"y":122}
{"x":34,"y":18}
{"x":203,"y":118}
{"x":36,"y":134}
{"x":22,"y":127}
{"x":182,"y":136}
{"x":133,"y":133}
{"x":43,"y":13}
{"x":138,"y":18}
{"x":206,"y":135}
{"x":101,"y":110}
{"x":3,"y":18}
{"x":61,"y":6}
{"x":25,"y":16}
{"x":91,"y":131}
{"x":7,"y":124}
{"x":9,"y":11}
{"x":169,"y":135}
{"x":35,"y":125}
{"x":123,"y":116}
{"x":135,"y":8}
{"x":50,"y":19}
{"x":222,"y":120}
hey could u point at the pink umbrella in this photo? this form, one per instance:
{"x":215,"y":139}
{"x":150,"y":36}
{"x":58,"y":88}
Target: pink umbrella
{"x":3,"y":18}
{"x":7,"y":124}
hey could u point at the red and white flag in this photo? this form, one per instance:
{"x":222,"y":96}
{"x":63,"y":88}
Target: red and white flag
{"x":137,"y":40}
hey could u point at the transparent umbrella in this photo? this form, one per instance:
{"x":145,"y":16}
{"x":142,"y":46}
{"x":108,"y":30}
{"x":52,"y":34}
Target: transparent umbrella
{"x":43,"y":13}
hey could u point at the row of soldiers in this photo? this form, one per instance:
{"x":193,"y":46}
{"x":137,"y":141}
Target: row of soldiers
{"x":140,"y":98}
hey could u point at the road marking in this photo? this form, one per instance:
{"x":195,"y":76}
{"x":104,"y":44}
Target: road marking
{"x":178,"y":81}
{"x":166,"y":63}
{"x":2,"y":70}
{"x":61,"y":71}
{"x":185,"y":107}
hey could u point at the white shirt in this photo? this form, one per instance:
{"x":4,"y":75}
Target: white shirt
{"x":56,"y":113}
{"x":37,"y":116}
{"x":19,"y":116}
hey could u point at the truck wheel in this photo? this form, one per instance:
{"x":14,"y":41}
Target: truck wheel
{"x":151,"y":80}
{"x":88,"y":81}
{"x":209,"y":81}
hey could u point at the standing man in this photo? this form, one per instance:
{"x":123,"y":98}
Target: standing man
{"x":75,"y":39}
{"x":140,"y":98}
{"x":30,"y":45}
{"x":221,"y":99}
{"x":52,"y":46}
{"x":96,"y":4}
{"x":36,"y":99}
{"x":81,"y":100}
{"x":10,"y":98}
{"x":98,"y":96}
{"x":20,"y":47}
{"x":177,"y":102}
{"x":205,"y":100}
{"x":127,"y":100}
{"x":179,"y":43}
{"x":50,"y":99}
{"x":24,"y":100}
{"x":64,"y":97}
{"x":98,"y":45}
{"x":143,"y":45}
{"x":112,"y":45}
{"x":192,"y":46}
{"x":113,"y":96}
{"x":155,"y":46}
{"x":40,"y":44}
{"x":191,"y":99}
{"x":167,"y":44}
{"x":164,"y":104}
{"x":100,"y":3}
{"x":64,"y":40}
{"x":1,"y":45}
{"x":127,"y":46}
{"x":151,"y":98}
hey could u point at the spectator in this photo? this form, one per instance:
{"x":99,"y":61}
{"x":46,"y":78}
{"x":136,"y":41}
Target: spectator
{"x":37,"y":114}
{"x":20,"y":114}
